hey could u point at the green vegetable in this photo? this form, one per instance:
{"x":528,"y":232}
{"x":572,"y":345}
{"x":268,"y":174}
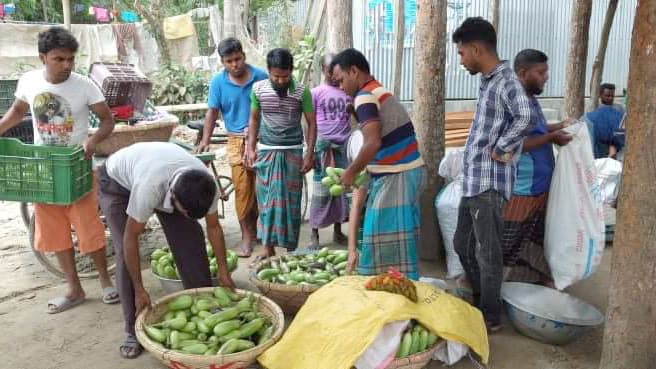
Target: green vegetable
{"x":423,"y":340}
{"x":209,"y":251}
{"x":180,"y":303}
{"x":155,"y":334}
{"x":414,"y":348}
{"x":431,"y":339}
{"x":222,"y":316}
{"x":169,"y":315}
{"x":265,"y":335}
{"x":202,"y":327}
{"x":176,"y":337}
{"x":251,"y":327}
{"x":341,"y":266}
{"x":267,"y":274}
{"x":360,"y":179}
{"x":327,"y":181}
{"x":175,"y":323}
{"x":202,"y":337}
{"x":336,"y":190}
{"x":222,"y":297}
{"x":157,"y":254}
{"x":204,"y":305}
{"x":224,"y":328}
{"x":235,"y":345}
{"x":196,"y":349}
{"x":190,"y":327}
{"x":341,"y":257}
{"x":406,"y":345}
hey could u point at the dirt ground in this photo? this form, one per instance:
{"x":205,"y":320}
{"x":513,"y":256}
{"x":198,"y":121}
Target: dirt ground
{"x":88,"y":335}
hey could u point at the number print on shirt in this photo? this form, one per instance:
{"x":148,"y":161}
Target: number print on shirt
{"x":334,"y":109}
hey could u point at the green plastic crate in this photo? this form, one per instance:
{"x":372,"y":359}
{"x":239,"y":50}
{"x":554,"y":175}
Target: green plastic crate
{"x":7,"y":90}
{"x":43,"y":174}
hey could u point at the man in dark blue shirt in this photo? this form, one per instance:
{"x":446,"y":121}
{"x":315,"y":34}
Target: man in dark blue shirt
{"x":524,"y":215}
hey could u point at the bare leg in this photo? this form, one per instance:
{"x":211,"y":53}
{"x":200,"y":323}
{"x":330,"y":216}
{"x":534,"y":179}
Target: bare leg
{"x":339,"y":237}
{"x":314,"y":240}
{"x":100,"y":260}
{"x":66,"y":260}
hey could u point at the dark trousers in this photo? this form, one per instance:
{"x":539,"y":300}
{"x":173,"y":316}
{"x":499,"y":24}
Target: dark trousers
{"x":478,"y":243}
{"x":184,"y":236}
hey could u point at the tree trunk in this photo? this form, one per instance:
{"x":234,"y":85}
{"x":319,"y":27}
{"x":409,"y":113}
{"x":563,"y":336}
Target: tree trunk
{"x":493,"y":14}
{"x":577,"y":58}
{"x":630,"y":320}
{"x":399,"y":33}
{"x":66,"y":8}
{"x":428,"y":113}
{"x":340,"y":26}
{"x":44,"y":7}
{"x":154,"y":15}
{"x":598,"y":66}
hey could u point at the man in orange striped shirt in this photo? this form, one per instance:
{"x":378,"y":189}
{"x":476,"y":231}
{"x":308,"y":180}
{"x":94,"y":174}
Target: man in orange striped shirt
{"x":391,"y":156}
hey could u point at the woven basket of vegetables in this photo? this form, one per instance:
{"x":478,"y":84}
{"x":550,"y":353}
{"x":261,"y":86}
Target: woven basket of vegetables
{"x":289,"y":280}
{"x":416,"y":348}
{"x":230,"y":328}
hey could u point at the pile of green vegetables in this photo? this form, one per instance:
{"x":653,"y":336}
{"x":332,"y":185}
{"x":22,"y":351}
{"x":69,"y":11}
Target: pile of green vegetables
{"x":333,"y":181}
{"x":218,"y":324}
{"x":314,"y":269}
{"x":415,"y":339}
{"x":163,"y":264}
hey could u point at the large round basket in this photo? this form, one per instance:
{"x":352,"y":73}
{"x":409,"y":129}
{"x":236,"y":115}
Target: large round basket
{"x":416,"y":361}
{"x":289,"y":297}
{"x":174,"y":359}
{"x":125,"y":135}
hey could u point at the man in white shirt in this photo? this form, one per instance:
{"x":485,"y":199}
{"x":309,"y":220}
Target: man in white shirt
{"x":163,"y":179}
{"x":60,"y":101}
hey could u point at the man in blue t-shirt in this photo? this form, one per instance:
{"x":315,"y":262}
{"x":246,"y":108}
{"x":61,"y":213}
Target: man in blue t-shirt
{"x":524,"y":214}
{"x":229,"y":94}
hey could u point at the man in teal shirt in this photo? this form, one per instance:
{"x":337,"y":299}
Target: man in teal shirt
{"x":229,"y":94}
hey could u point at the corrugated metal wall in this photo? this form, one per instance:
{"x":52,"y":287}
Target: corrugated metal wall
{"x":542,"y":25}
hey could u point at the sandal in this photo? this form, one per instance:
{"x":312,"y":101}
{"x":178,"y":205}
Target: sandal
{"x":62,"y":303}
{"x":110,"y":295}
{"x":257,"y":260}
{"x":245,"y":252}
{"x":130,"y":348}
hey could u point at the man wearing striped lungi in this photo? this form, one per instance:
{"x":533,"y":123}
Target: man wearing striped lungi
{"x":391,"y":156}
{"x":275,"y":151}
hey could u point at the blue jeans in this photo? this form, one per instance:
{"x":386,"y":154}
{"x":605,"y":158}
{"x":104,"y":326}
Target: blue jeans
{"x":478,"y":243}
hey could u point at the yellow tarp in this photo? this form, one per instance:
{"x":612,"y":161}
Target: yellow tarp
{"x":340,"y":320}
{"x":180,"y":26}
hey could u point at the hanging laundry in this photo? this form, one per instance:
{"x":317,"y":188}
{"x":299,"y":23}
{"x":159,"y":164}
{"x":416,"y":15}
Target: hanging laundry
{"x":126,"y":38}
{"x":128,"y":16}
{"x":10,"y":9}
{"x":78,"y":8}
{"x":180,"y":26}
{"x":102,"y":14}
{"x":91,"y":10}
{"x":2,"y":10}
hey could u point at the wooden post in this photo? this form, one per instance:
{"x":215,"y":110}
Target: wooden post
{"x":577,"y":58}
{"x":630,"y":326}
{"x":399,"y":34}
{"x":428,"y":113}
{"x":598,"y":66}
{"x":340,"y":25}
{"x":66,"y":7}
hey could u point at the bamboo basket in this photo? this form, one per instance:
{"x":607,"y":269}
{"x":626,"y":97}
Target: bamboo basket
{"x":289,"y":298}
{"x":175,"y":360}
{"x":125,"y":135}
{"x":416,"y":361}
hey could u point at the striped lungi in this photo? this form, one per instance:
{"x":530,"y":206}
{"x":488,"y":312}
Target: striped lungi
{"x":523,"y":239}
{"x":325,"y":209}
{"x":391,"y":224}
{"x":278,"y":190}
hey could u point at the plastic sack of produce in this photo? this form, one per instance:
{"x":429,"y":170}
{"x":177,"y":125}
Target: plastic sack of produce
{"x":350,"y":318}
{"x":574,"y":234}
{"x":447,"y":203}
{"x":609,"y":172}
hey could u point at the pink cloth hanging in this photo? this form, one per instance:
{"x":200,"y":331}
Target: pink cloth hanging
{"x":102,"y":14}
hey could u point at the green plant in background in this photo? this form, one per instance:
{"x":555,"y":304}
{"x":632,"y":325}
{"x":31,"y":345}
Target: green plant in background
{"x":305,"y":53}
{"x":174,"y":85}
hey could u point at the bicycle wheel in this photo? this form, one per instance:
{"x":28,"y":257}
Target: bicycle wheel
{"x":26,"y":213}
{"x":83,"y":263}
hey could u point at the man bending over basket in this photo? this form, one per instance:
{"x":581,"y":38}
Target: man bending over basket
{"x":60,"y":100}
{"x":163,"y":179}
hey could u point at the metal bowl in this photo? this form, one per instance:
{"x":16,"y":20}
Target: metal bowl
{"x":548,"y":315}
{"x":175,"y":285}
